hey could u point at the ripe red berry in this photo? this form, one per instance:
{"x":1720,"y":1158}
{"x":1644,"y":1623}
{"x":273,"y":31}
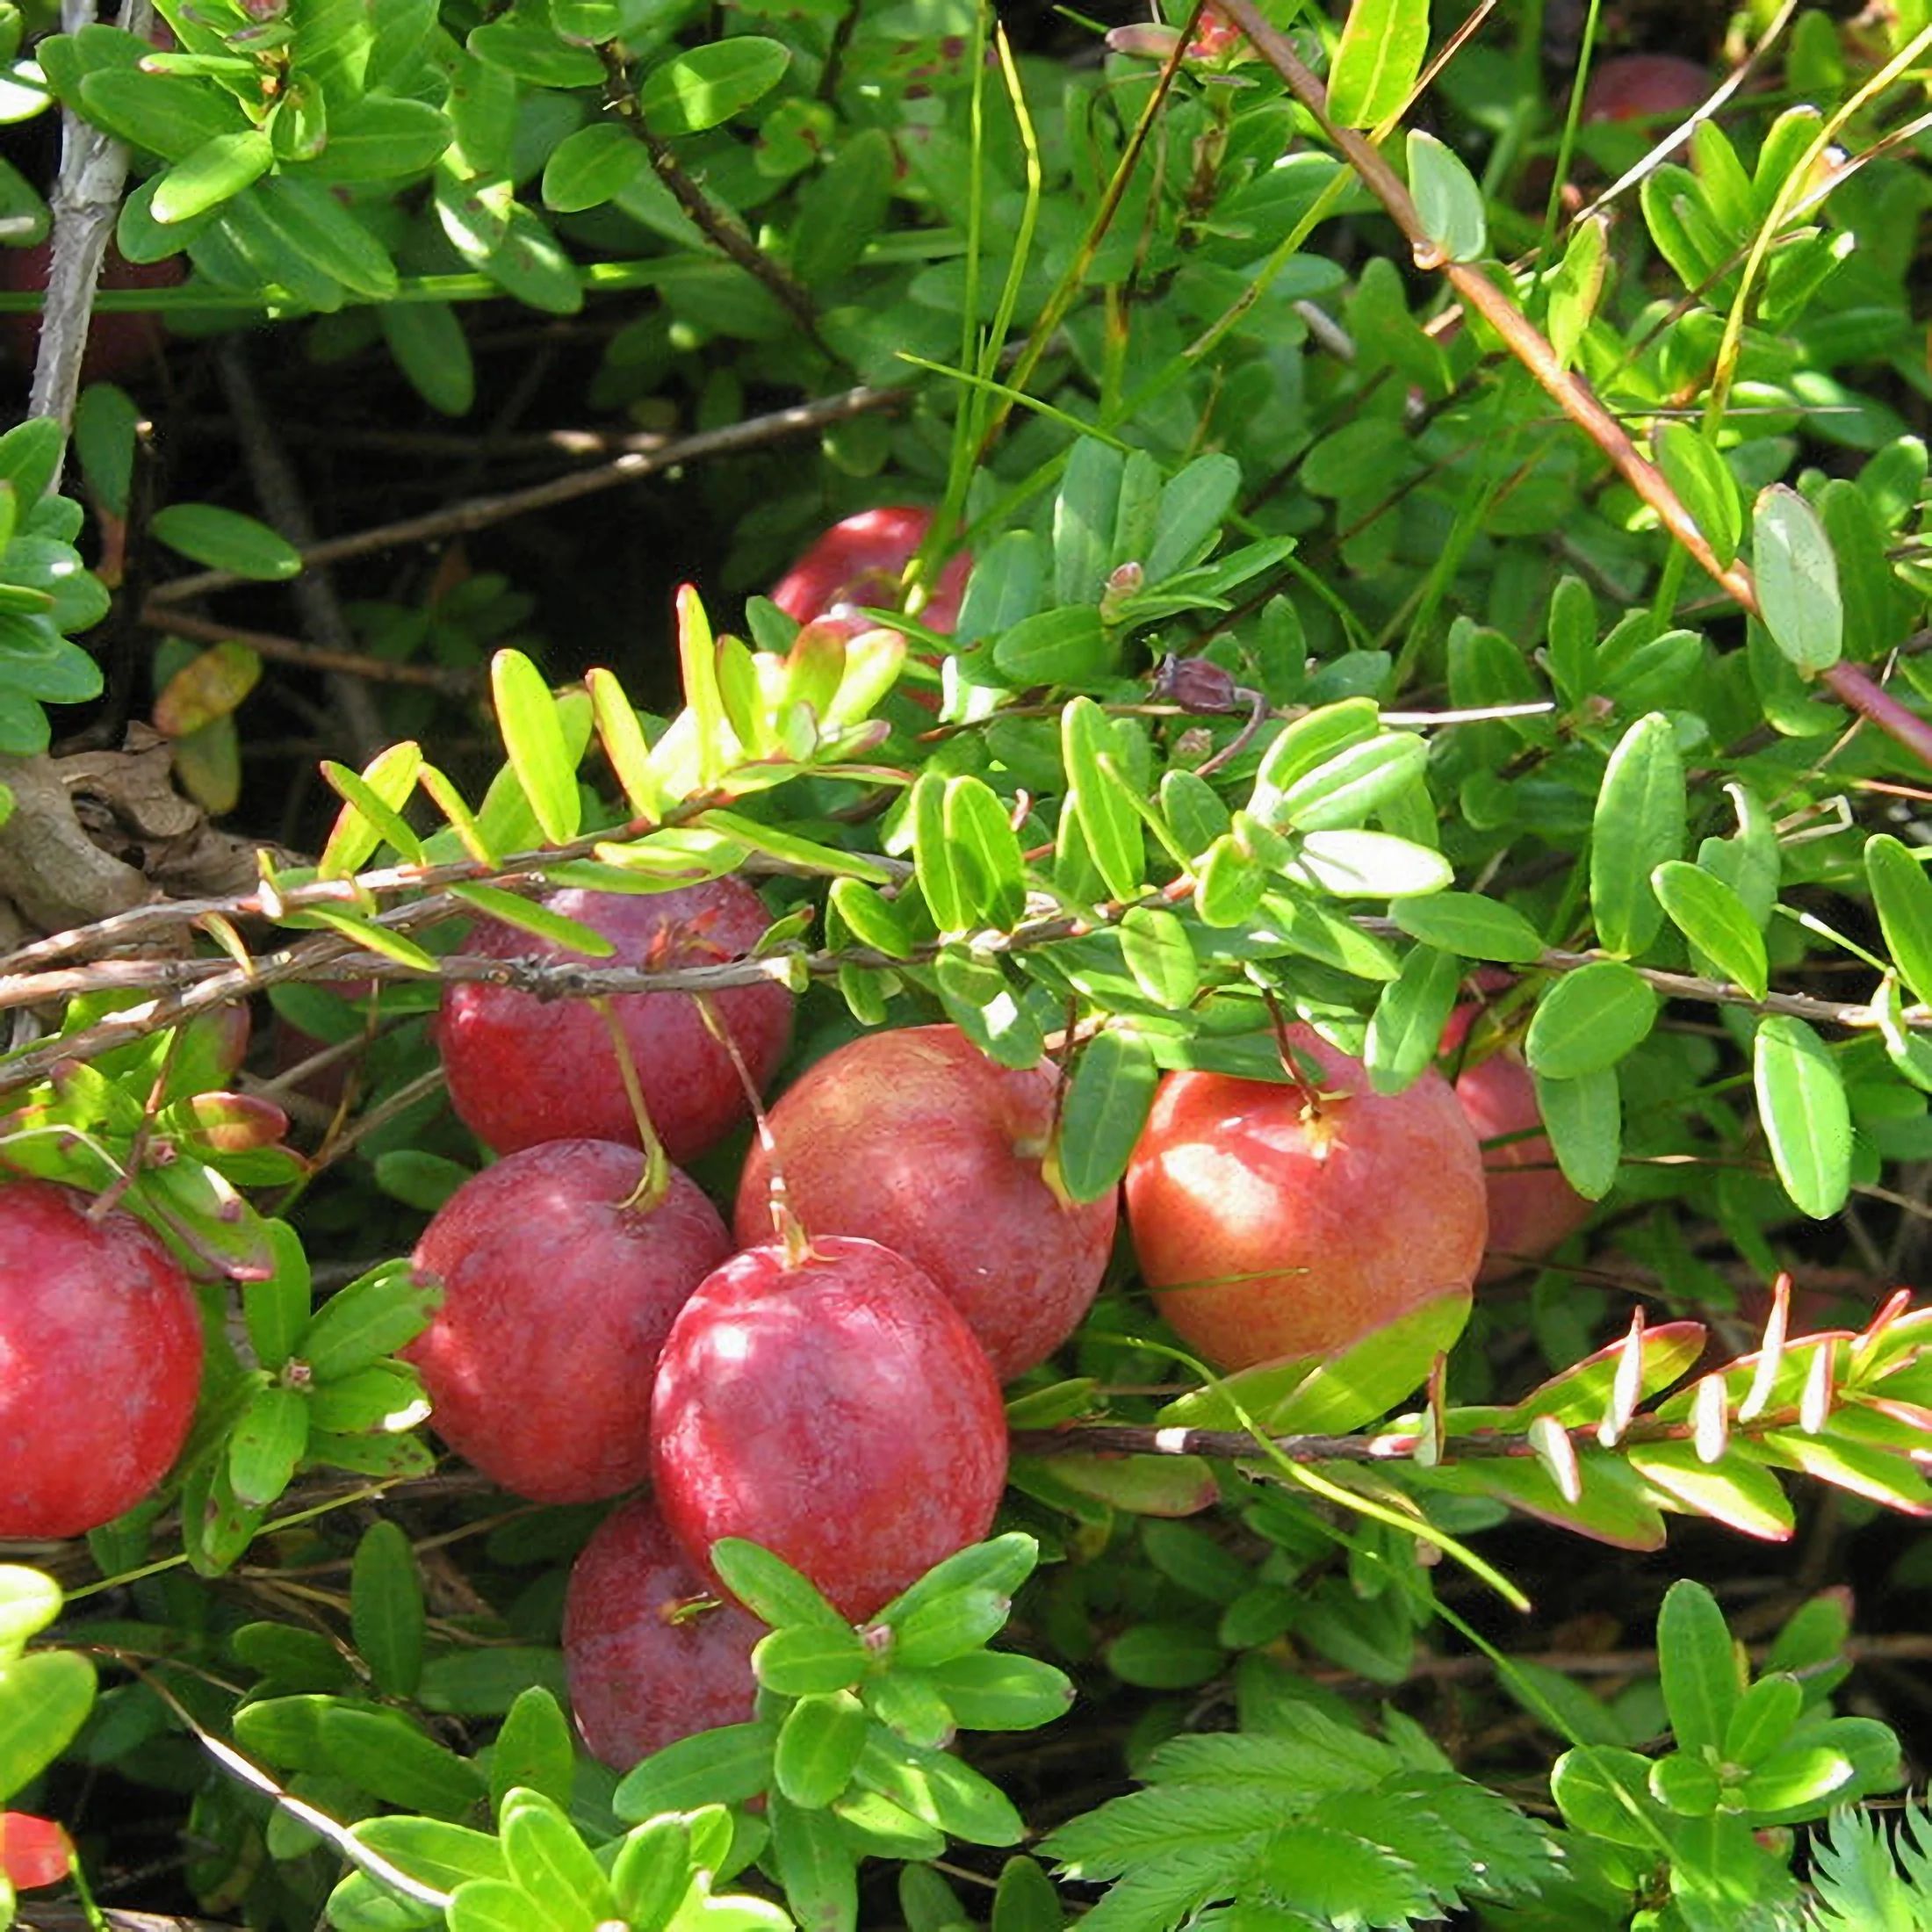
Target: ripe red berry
{"x":100,"y":1361}
{"x":557,"y":1295}
{"x":1660,"y":87}
{"x":835,"y":1410}
{"x":524,"y":1069}
{"x":1531,"y":1208}
{"x":646,"y":1663}
{"x":916,"y":1140}
{"x":1280,"y":1222}
{"x":860,"y":560}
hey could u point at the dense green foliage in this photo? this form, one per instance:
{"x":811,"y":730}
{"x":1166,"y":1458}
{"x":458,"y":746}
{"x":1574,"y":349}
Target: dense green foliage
{"x":1441,"y":547}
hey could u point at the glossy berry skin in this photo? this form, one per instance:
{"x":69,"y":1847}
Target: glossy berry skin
{"x":916,"y":1140}
{"x":837,"y":1411}
{"x":524,"y":1069}
{"x":641,"y":1677}
{"x":1662,"y":87}
{"x":859,"y":562}
{"x":1272,"y":1228}
{"x":100,"y":1361}
{"x":558,"y":1296}
{"x":1532,"y":1208}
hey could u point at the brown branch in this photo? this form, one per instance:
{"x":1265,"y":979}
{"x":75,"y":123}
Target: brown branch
{"x":313,"y":657}
{"x":481,"y":512}
{"x":719,"y":225}
{"x":1851,"y":684}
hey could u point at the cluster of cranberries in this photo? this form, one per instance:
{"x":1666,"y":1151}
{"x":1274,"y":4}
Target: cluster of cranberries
{"x":824,"y":1377}
{"x":824,"y":1381}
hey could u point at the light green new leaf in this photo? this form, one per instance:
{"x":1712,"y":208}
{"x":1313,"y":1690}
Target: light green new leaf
{"x":1376,"y":64}
{"x":1808,"y":1120}
{"x":43,"y":1698}
{"x":533,"y":736}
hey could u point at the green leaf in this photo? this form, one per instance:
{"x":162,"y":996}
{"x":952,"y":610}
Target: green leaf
{"x":1307,"y":745}
{"x":771,"y":1589}
{"x":533,"y":1750}
{"x":1699,"y":1664}
{"x":707,"y":86}
{"x":373,"y":1316}
{"x":1604,"y":1790}
{"x":28,"y":1601}
{"x":939,"y":1790}
{"x":1448,"y":198}
{"x":267,"y":1444}
{"x":1474,"y":927}
{"x":1405,"y":1030}
{"x":948,"y":1626}
{"x":1085,"y":514}
{"x":809,"y":1660}
{"x":996,"y":1690}
{"x":371,"y":809}
{"x":432,"y":351}
{"x":169,"y":115}
{"x":590,"y":166}
{"x":385,"y":1609}
{"x":485,"y":1683}
{"x":1583,"y":1117}
{"x":1902,"y":895}
{"x":1378,"y":60}
{"x":382,"y":1753}
{"x":818,"y":1745}
{"x":1702,"y":479}
{"x":1765,"y":1715}
{"x":721,"y":1767}
{"x":984,"y":850}
{"x":945,"y":891}
{"x":1098,"y":798}
{"x":1001,"y":1564}
{"x":433,"y":1851}
{"x":1714,"y":920}
{"x":309,"y":220}
{"x":380,"y":137}
{"x":1797,"y":580}
{"x":1194,"y":504}
{"x":495,"y":1905}
{"x":1367,"y":865}
{"x":533,"y":735}
{"x":226,"y":540}
{"x":1105,"y":1107}
{"x":1068,"y":646}
{"x":551,"y":1863}
{"x":43,"y":1695}
{"x":1576,"y":288}
{"x":819,"y":1869}
{"x":1350,"y":787}
{"x":1638,"y":824}
{"x":1588,"y":1021}
{"x":1159,"y":955}
{"x":1737,"y":1493}
{"x":1807,"y":1118}
{"x":651,"y":1872}
{"x":276,"y":1310}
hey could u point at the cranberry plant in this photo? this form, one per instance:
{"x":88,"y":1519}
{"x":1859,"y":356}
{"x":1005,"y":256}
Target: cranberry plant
{"x":1401,"y":567}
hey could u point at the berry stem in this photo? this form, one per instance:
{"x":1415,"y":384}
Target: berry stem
{"x":655,"y":1181}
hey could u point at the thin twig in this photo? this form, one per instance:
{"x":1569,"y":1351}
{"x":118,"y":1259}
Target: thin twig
{"x":314,"y":657}
{"x":481,"y":512}
{"x":719,"y":225}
